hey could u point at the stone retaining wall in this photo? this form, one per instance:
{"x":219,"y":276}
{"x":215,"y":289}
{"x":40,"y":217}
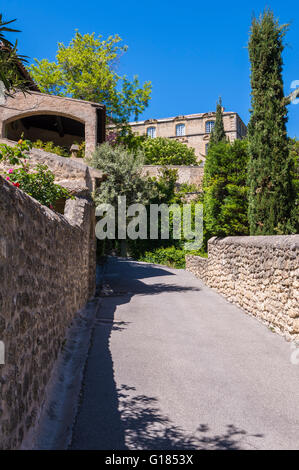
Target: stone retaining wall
{"x":47,"y":273}
{"x":259,"y":274}
{"x":68,"y":171}
{"x":186,"y":174}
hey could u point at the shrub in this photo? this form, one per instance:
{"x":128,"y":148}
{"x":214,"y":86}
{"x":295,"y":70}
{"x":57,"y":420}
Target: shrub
{"x":81,"y":152}
{"x":38,"y":184}
{"x":15,"y":154}
{"x":51,"y":147}
{"x":170,"y":256}
{"x":123,"y":135}
{"x":163,"y":151}
{"x":125,"y":175}
{"x":225,"y":190}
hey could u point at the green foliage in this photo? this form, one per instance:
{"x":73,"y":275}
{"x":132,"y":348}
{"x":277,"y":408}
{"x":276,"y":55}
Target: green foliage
{"x":169,"y":256}
{"x":15,"y":154}
{"x":163,"y":151}
{"x":165,"y":191}
{"x":125,"y":179}
{"x":271,"y":192}
{"x":225,"y":190}
{"x":85,"y":69}
{"x":218,"y":134}
{"x":162,"y":191}
{"x":165,"y":186}
{"x":38,"y":184}
{"x":9,"y":59}
{"x":51,"y":147}
{"x":294,"y":153}
{"x":81,"y":152}
{"x":185,"y":189}
{"x":123,"y":135}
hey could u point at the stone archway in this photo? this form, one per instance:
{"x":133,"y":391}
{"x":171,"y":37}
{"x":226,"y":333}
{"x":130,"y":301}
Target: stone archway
{"x":61,"y":119}
{"x":56,"y":128}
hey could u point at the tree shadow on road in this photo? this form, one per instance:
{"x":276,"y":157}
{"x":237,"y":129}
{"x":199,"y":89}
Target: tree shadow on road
{"x":112,"y":418}
{"x":146,"y":428}
{"x":130,"y":281}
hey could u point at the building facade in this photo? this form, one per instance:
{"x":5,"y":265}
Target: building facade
{"x":193,"y":130}
{"x":61,"y":120}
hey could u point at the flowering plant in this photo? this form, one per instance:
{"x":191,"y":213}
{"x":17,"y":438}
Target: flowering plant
{"x":39,"y":182}
{"x":14,"y":155}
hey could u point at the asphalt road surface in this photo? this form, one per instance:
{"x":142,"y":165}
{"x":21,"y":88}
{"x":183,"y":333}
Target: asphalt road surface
{"x":173,"y":365}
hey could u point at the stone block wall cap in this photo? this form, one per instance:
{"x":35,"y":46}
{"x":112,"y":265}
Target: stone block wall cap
{"x":75,"y":163}
{"x":196,"y":257}
{"x":75,"y":147}
{"x":67,"y":98}
{"x":275,"y":241}
{"x":75,"y":187}
{"x":174,"y":166}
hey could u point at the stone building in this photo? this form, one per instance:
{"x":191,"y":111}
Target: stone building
{"x":61,"y":120}
{"x":193,"y":129}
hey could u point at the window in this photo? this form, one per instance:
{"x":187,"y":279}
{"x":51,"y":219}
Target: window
{"x":151,"y":132}
{"x":207,"y":148}
{"x":180,"y":129}
{"x":210,"y":126}
{"x":239,"y":128}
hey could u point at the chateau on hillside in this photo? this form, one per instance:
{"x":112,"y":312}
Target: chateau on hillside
{"x":193,"y":129}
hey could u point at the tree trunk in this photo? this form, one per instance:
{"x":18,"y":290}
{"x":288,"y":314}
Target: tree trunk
{"x":123,"y":248}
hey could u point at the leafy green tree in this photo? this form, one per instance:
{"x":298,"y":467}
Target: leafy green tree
{"x":125,"y":175}
{"x":126,"y":178}
{"x":10,"y":60}
{"x":86,"y":70}
{"x":271,"y":192}
{"x":225,"y":190}
{"x":164,"y":151}
{"x":124,"y":170}
{"x":122,"y":134}
{"x":218,"y":134}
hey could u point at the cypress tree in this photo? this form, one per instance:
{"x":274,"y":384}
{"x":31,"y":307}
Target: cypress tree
{"x":225,"y":190}
{"x":218,"y":134}
{"x":271,"y":194}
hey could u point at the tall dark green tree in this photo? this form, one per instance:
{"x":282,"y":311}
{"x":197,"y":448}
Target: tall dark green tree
{"x":271,"y":193}
{"x":218,"y":134}
{"x":225,"y":190}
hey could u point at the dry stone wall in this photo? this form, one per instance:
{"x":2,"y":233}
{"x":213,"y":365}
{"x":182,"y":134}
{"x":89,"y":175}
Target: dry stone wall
{"x":69,"y":172}
{"x":47,"y":273}
{"x":259,"y":274}
{"x":186,"y":174}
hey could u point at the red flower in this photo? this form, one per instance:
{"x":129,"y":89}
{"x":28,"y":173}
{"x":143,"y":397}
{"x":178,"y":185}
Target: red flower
{"x":16,"y":184}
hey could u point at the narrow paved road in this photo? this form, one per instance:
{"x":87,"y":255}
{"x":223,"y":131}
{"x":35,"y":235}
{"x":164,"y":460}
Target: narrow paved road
{"x":173,"y":365}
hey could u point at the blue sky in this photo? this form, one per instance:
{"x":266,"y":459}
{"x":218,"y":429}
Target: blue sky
{"x":192,"y":52}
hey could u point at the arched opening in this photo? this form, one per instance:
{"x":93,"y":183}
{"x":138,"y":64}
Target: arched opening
{"x":60,"y":130}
